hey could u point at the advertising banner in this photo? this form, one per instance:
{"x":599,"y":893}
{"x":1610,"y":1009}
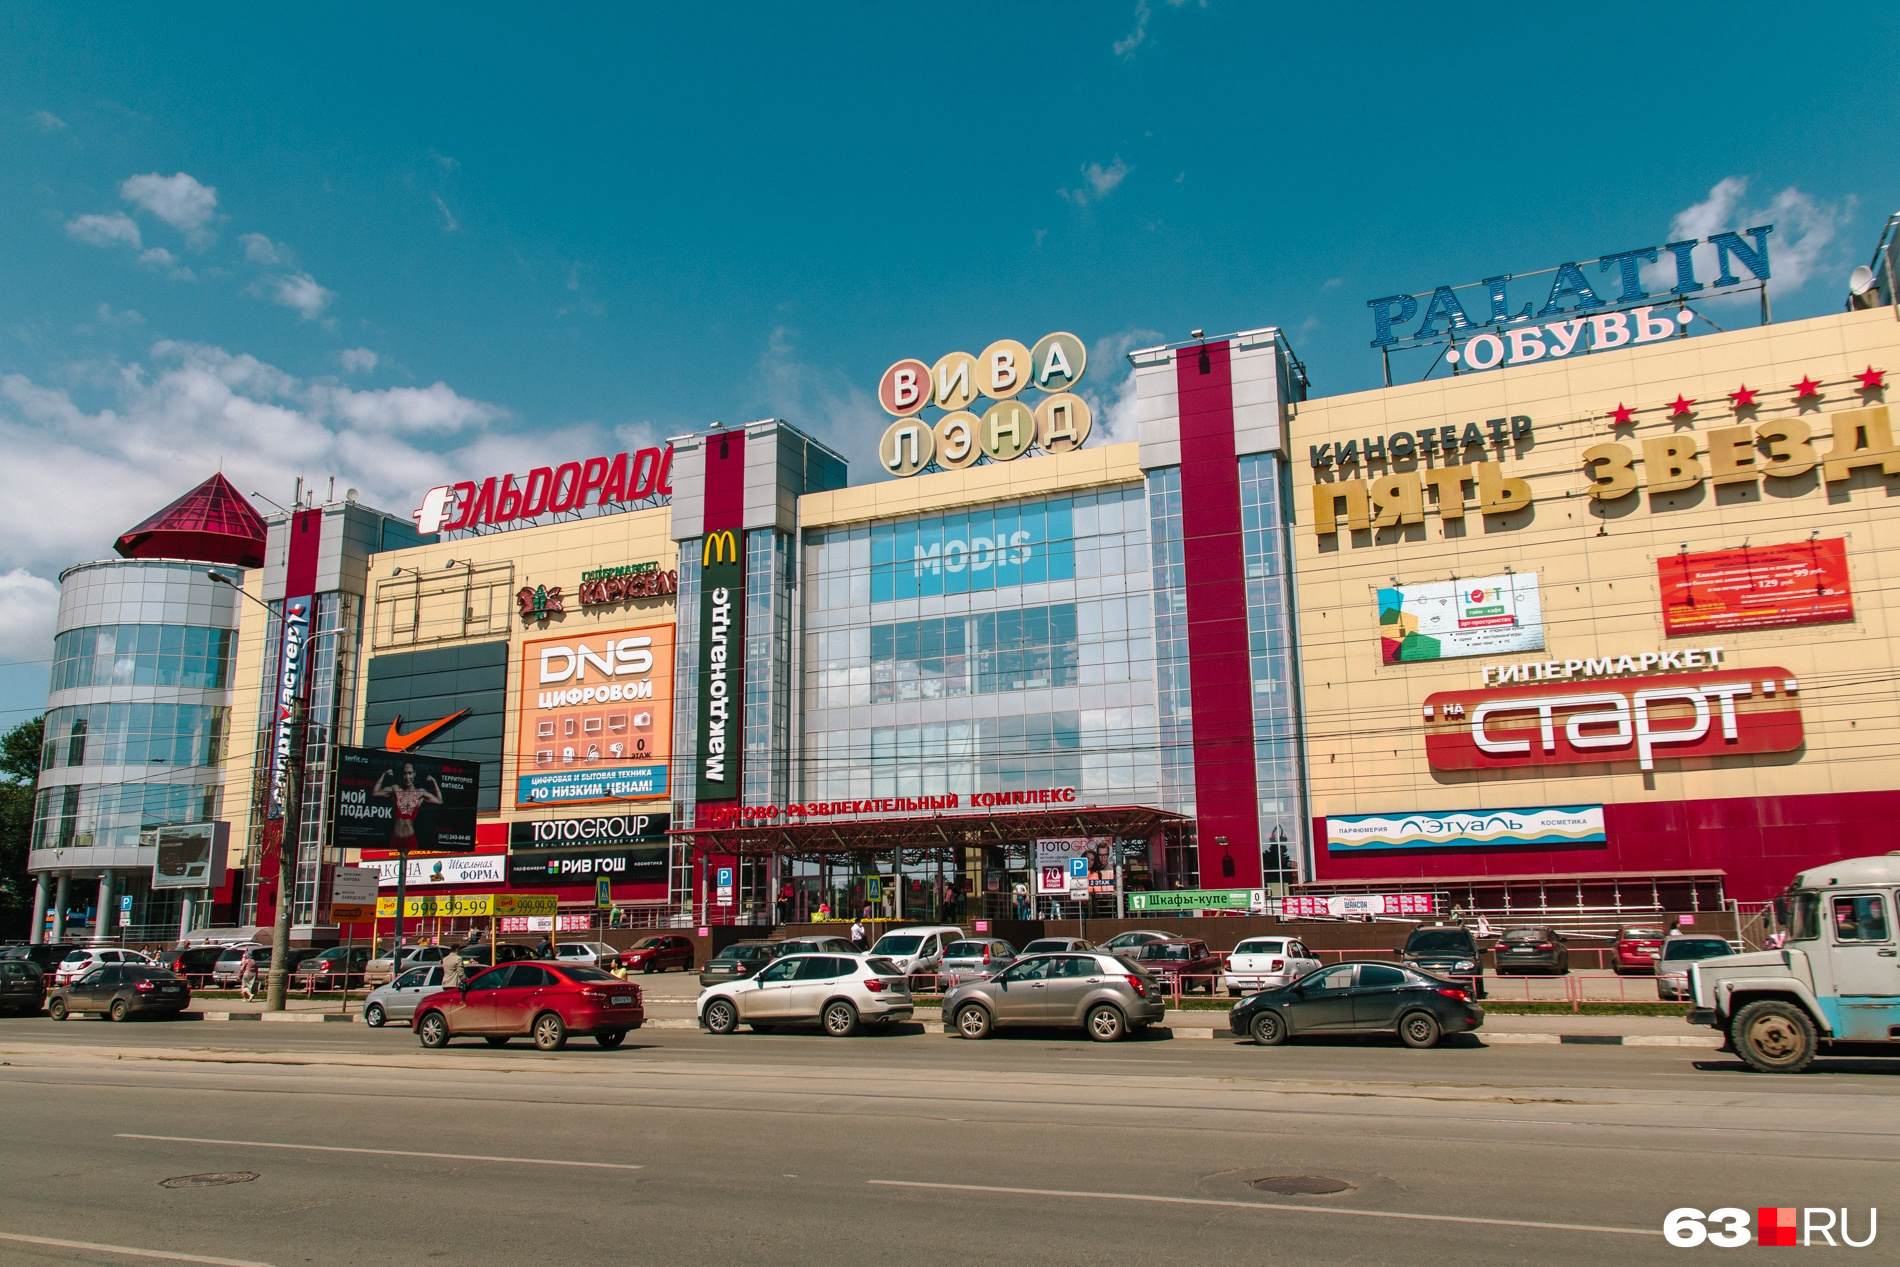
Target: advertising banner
{"x":479,"y":868}
{"x":451,"y":703}
{"x":1052,"y":857}
{"x":1675,"y":716}
{"x":289,"y":685}
{"x":964,"y":553}
{"x":189,"y":855}
{"x":721,"y":664}
{"x":606,"y":831}
{"x":544,"y":868}
{"x":462,"y":905}
{"x":1756,"y":587}
{"x":399,"y":800}
{"x":596,"y":716}
{"x":1484,"y":615}
{"x":1355,"y":905}
{"x":1196,"y":900}
{"x":1552,"y":827}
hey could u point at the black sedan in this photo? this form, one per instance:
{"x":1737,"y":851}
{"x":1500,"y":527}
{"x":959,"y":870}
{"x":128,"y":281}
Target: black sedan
{"x":22,"y":987}
{"x":121,"y":991}
{"x":741,"y":959}
{"x":1359,"y":998}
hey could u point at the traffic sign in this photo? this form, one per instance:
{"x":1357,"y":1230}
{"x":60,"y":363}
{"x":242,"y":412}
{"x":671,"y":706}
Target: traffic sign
{"x":874,"y":888}
{"x":603,"y":894}
{"x":1078,"y":868}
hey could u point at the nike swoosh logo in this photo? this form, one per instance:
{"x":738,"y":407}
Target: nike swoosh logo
{"x":396,"y":741}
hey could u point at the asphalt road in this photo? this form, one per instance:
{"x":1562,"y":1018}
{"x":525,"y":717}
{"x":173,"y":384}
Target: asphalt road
{"x":355,"y":1146}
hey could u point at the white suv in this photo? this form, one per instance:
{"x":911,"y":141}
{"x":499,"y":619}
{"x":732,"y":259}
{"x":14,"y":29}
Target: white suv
{"x":1266,"y":963}
{"x":838,"y":991}
{"x":80,"y":962}
{"x":918,"y":950}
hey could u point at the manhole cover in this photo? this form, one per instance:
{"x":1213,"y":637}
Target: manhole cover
{"x":1301,"y":1185}
{"x":215,"y":1180}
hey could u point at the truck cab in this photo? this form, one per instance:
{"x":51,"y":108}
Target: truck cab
{"x":1835,"y":980}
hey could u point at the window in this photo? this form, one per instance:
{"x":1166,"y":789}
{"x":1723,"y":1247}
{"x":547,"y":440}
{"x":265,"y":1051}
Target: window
{"x":826,"y":968}
{"x":1861,"y":917}
{"x":1332,"y":980}
{"x":891,"y":944}
{"x":1259,"y":946}
{"x":1805,"y":917}
{"x":144,"y":655}
{"x":584,"y":975}
{"x":1682,"y":949}
{"x":783,"y":970}
{"x":1378,"y":976}
{"x":527,"y":976}
{"x":1073,"y":966}
{"x":1029,"y":970}
{"x":1441,"y":941}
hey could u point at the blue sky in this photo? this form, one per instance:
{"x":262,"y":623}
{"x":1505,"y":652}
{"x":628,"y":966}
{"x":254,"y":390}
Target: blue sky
{"x":393,"y":244}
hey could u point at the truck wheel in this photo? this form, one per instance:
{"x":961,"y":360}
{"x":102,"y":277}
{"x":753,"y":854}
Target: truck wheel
{"x":1774,"y":1037}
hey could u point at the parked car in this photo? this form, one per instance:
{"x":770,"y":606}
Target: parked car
{"x":1446,"y":950}
{"x":1359,"y":998}
{"x":47,"y":955}
{"x":396,"y":1000}
{"x":1057,"y":945}
{"x":973,"y":959}
{"x":1107,"y":996}
{"x":816,"y":946}
{"x":1266,"y":963}
{"x":230,"y":962}
{"x":377,"y":970}
{"x":657,"y":954}
{"x":916,"y":950}
{"x":1637,"y":948}
{"x":1184,"y":964}
{"x":741,"y":959}
{"x":194,"y":962}
{"x":1672,"y":969}
{"x":481,"y":955}
{"x":120,"y":991}
{"x":230,"y":966}
{"x":838,"y":991}
{"x":339,"y":966}
{"x":78,"y":963}
{"x":1125,"y":943}
{"x":595,"y":954}
{"x":547,"y":1000}
{"x":22,"y":987}
{"x":1531,"y":950}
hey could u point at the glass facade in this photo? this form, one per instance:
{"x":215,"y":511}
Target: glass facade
{"x":143,"y":655}
{"x":134,"y":734}
{"x":933,"y":667}
{"x":1266,"y":538}
{"x":1174,"y":700}
{"x":769,"y":594}
{"x":76,"y":816}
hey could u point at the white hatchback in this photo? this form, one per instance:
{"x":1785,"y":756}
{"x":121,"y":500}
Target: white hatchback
{"x":1266,"y":963}
{"x":917,"y":950}
{"x":80,"y":962}
{"x":837,"y":991}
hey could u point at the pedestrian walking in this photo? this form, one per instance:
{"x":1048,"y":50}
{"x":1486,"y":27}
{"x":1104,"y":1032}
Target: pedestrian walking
{"x":247,"y":979}
{"x":857,"y":934}
{"x":452,"y":971}
{"x":544,"y":949}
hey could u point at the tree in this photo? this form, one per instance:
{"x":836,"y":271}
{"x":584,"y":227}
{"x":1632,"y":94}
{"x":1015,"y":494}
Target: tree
{"x":19,"y":769}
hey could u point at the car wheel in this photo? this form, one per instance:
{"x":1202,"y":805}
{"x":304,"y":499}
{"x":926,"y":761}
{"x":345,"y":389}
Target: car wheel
{"x":57,"y":1009}
{"x":1419,"y":1029}
{"x":1774,"y":1037}
{"x":1233,"y":994}
{"x":1268,"y":1029}
{"x":1105,"y":1024}
{"x":688,"y":965}
{"x":841,"y":1019}
{"x":721,"y":1016}
{"x":550,"y":1032}
{"x":611,"y":1038}
{"x":119,"y":1010}
{"x":973,"y":1021}
{"x":433,"y":1032}
{"x":374,"y":1016}
{"x":649,"y":967}
{"x":495,"y":1040}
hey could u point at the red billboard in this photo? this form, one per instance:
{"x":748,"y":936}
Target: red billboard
{"x":1672,"y":717}
{"x":1756,"y":587}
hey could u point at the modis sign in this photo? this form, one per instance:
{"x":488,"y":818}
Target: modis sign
{"x":643,"y":476}
{"x":1007,"y":428}
{"x":596,"y":717}
{"x":1727,"y":712}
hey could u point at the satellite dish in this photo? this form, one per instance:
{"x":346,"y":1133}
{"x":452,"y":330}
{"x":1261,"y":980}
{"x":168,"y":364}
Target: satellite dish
{"x":1860,"y":281}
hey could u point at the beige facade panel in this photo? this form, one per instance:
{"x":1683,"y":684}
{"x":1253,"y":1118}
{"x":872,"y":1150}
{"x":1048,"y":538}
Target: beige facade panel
{"x":1032,"y":476}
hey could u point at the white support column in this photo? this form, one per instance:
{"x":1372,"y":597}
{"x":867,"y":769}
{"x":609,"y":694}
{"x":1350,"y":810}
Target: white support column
{"x":102,"y":922}
{"x":37,"y":932}
{"x":62,"y":895}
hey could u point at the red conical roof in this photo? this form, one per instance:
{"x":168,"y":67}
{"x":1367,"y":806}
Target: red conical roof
{"x":212,"y":523}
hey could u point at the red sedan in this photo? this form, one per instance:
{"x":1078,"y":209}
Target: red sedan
{"x":551,"y":1002}
{"x":657,"y":954}
{"x":1637,"y":950}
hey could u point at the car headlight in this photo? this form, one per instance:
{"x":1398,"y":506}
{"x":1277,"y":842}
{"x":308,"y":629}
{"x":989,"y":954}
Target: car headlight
{"x":1465,"y":965}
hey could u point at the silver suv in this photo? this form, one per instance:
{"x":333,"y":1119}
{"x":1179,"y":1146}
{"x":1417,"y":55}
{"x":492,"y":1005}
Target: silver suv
{"x":838,"y":991}
{"x":1104,"y":994}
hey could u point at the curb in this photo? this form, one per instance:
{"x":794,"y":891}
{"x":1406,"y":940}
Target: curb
{"x":280,"y":1018}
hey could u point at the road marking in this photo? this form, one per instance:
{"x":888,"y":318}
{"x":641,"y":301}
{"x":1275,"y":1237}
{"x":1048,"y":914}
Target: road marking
{"x":128,"y":1251}
{"x":382,"y":1152}
{"x":1265,"y":1205}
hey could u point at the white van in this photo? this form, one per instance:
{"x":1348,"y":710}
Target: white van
{"x":918,"y":949}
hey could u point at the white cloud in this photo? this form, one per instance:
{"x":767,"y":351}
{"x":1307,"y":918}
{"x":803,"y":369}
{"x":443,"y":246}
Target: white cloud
{"x":301,"y":291}
{"x":358,"y":360}
{"x":47,"y":122}
{"x":825,"y":403}
{"x":191,"y":409}
{"x":1110,"y":385}
{"x":160,"y":258}
{"x":445,"y":162}
{"x":259,"y":249}
{"x":1125,"y":47}
{"x":28,"y":605}
{"x":449,"y":223}
{"x":1804,"y":230}
{"x":124,"y":317}
{"x":115,"y":229}
{"x":1098,"y":181}
{"x":178,"y":200}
